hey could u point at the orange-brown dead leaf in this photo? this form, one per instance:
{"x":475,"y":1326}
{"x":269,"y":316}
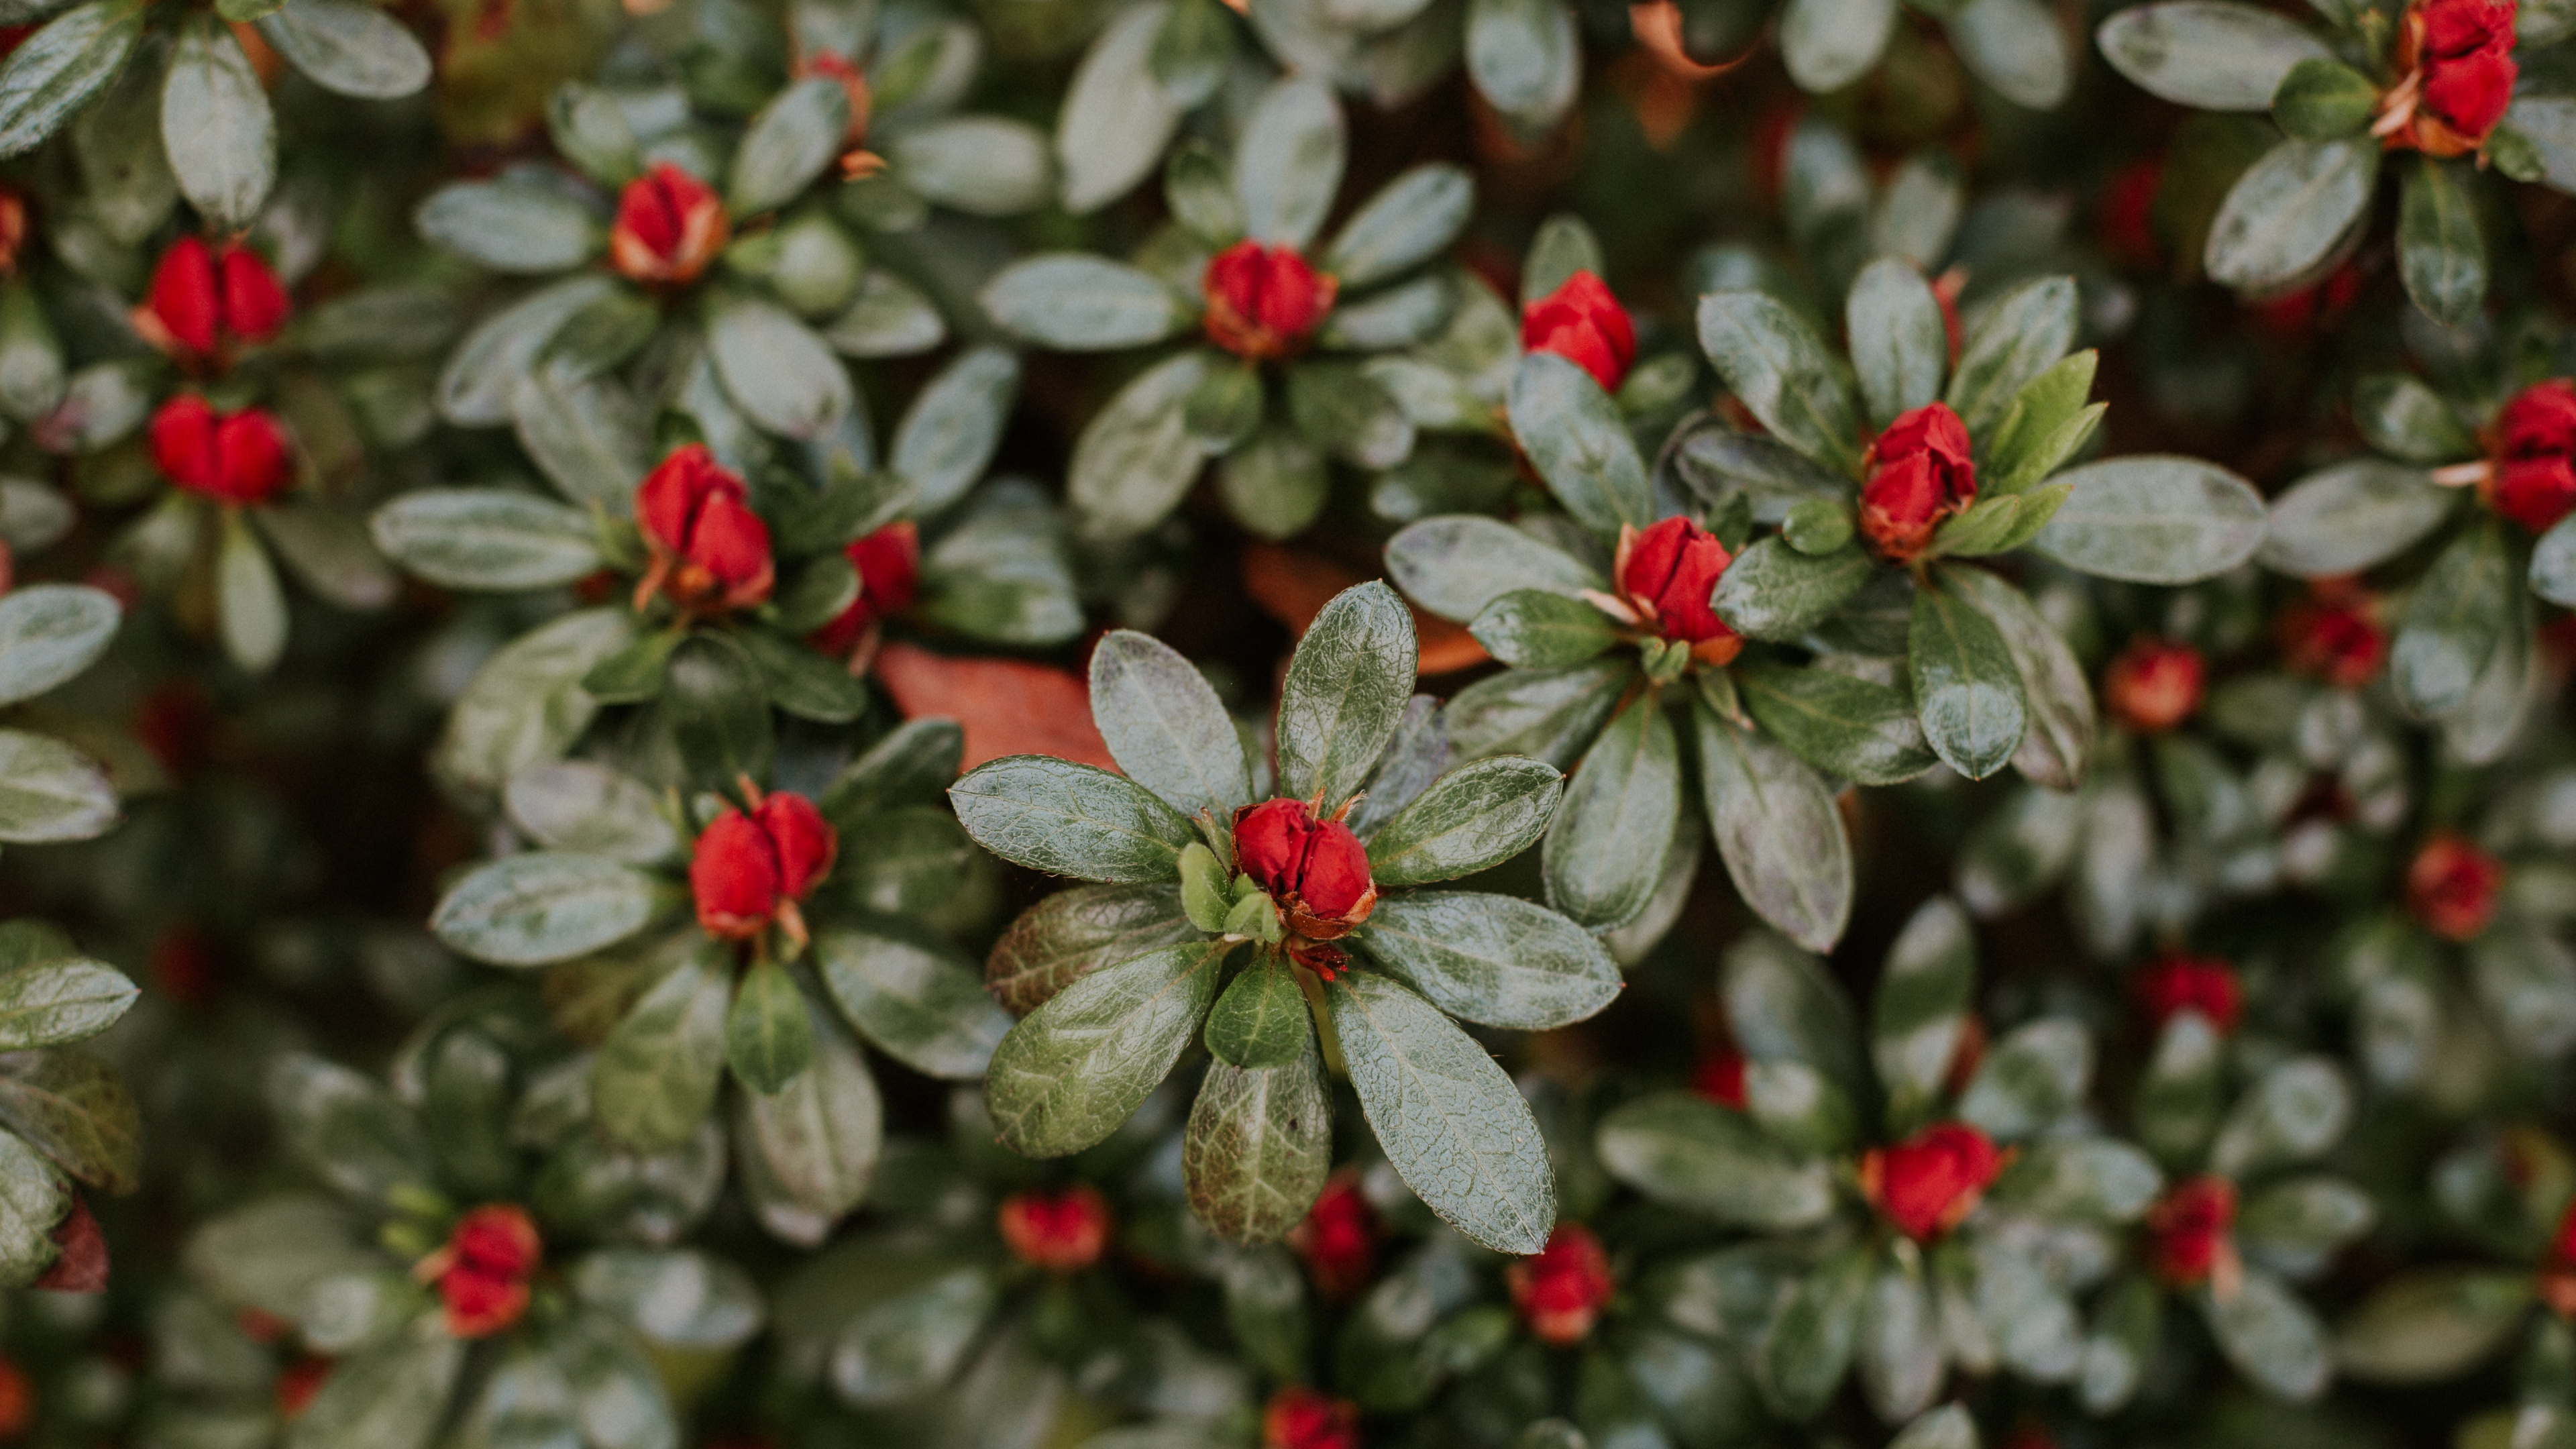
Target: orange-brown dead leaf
{"x":1007,"y":706}
{"x":1292,"y":586}
{"x":1658,"y":27}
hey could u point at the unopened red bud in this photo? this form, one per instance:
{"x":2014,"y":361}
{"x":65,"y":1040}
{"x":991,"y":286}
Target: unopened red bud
{"x":1298,"y":1417}
{"x":669,"y":227}
{"x":747,"y":867}
{"x":1922,"y":471}
{"x":2187,"y":1230}
{"x":1338,"y":1239}
{"x":2177,"y":983}
{"x":2153,"y":685}
{"x":1584,"y":324}
{"x":1669,"y":573}
{"x":2451,"y":886}
{"x":1561,"y":1290}
{"x":1928,"y":1184}
{"x":710,"y":550}
{"x":889,"y":567}
{"x":1263,"y":301}
{"x":1063,"y":1231}
{"x":239,"y":458}
{"x":1316,"y":870}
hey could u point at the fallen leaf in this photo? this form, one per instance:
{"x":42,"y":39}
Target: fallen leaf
{"x":1007,"y":706}
{"x":1658,"y":27}
{"x":1292,"y":586}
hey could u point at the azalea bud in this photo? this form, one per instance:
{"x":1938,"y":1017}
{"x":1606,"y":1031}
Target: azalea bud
{"x":1584,"y":324}
{"x":889,"y":565}
{"x":17,"y":1400}
{"x":2333,"y":639}
{"x":1719,"y":1078}
{"x":2451,"y":886}
{"x":2558,"y":1269}
{"x":2455,"y":58}
{"x":1062,"y":1231}
{"x":1929,"y":1183}
{"x":2175,"y":983}
{"x":80,"y":1257}
{"x":1316,"y":870}
{"x":2531,"y":480}
{"x":2125,"y":214}
{"x":202,"y":299}
{"x":710,"y":551}
{"x":1263,"y":301}
{"x":747,"y":868}
{"x":1669,"y":573}
{"x":1298,"y":1417}
{"x":1921,"y":472}
{"x":1338,"y":1238}
{"x":13,"y":226}
{"x":2187,"y":1230}
{"x":669,"y":226}
{"x":298,"y":1382}
{"x":239,"y":458}
{"x":2153,"y":685}
{"x":483,"y":1271}
{"x":1561,"y":1291}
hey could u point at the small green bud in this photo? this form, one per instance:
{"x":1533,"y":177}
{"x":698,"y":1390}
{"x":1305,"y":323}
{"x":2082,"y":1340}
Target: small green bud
{"x":1817,"y":526}
{"x":1255,"y":917}
{"x":1203,"y":892}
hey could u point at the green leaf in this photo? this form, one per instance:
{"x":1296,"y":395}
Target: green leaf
{"x":1073,"y":933}
{"x":1537,"y":629}
{"x":1261,"y":1020}
{"x":392,"y":1396}
{"x":1342,"y":411}
{"x":33,"y":1198}
{"x":1604,"y":853}
{"x":49,"y":633}
{"x":509,"y":225}
{"x":981,"y":165}
{"x":1288,"y":162}
{"x":1809,"y":1348}
{"x":250,"y":606}
{"x":1453,"y":1125}
{"x":1117,"y":118}
{"x":2351,"y":516}
{"x":1921,"y":1009}
{"x":1472,"y":818}
{"x":2401,"y":416}
{"x":1346,"y":689}
{"x":2440,"y":253}
{"x":1274,"y":484}
{"x":2553,"y":565}
{"x":775,"y":369}
{"x":2153,"y":520}
{"x":2049,"y":420}
{"x":58,"y":1001}
{"x":2030,"y":1079}
{"x":1777,"y":830}
{"x":1966,"y":689}
{"x":2058,"y":743}
{"x":50,"y":792}
{"x":1069,"y":819}
{"x":1075,"y":1068}
{"x":2324,"y":100}
{"x":1998,"y":525}
{"x":2284,"y":217}
{"x":1549,"y":714}
{"x":2017,"y":338}
{"x":769,"y":1038}
{"x":1690,"y":1153}
{"x":1783,"y":373}
{"x":1259,"y":1143}
{"x":2015,"y":47}
{"x":2081,"y":1179}
{"x":801,"y":682}
{"x":59,"y":68}
{"x":1457,"y":566}
{"x":1076,"y":302}
{"x":1828,"y":44}
{"x":348,"y":1130}
{"x":526,"y":703}
{"x":1135,"y":457}
{"x":2295,"y":1112}
{"x":1784,"y":1006}
{"x":1165,"y":726}
{"x":543,"y":906}
{"x":2454,"y":621}
{"x":1774,"y":591}
{"x":787,"y":145}
{"x":948,"y":435}
{"x":1576,"y":438}
{"x":476,"y":387}
{"x":487,"y":538}
{"x":912,"y":996}
{"x":1493,"y":960}
{"x":1562,"y":246}
{"x":909,"y":1341}
{"x":655,"y":1078}
{"x":588,"y":434}
{"x":2428,"y":1324}
{"x":886,"y":318}
{"x":2271,"y":1337}
{"x":216,"y":126}
{"x":1410,"y":220}
{"x":349,"y":47}
{"x":590,"y":129}
{"x":814,"y":1142}
{"x":1902,"y":1358}
{"x":1899,"y":344}
{"x":715,"y":699}
{"x":1847,"y":727}
{"x":74,"y":1109}
{"x":2210,"y":55}
{"x":1524,"y":58}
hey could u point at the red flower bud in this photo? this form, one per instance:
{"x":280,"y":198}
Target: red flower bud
{"x":13,"y":219}
{"x":889,"y":565}
{"x":669,"y":226}
{"x":483,"y":1271}
{"x":2456,"y":68}
{"x":1262,"y":301}
{"x":203,"y":299}
{"x":298,"y":1382}
{"x":1921,"y":472}
{"x":239,"y":458}
{"x":710,"y":551}
{"x":1561,"y":1290}
{"x":1584,"y":324}
{"x":80,"y":1265}
{"x":2175,"y":983}
{"x":2558,"y":1269}
{"x":1719,"y":1078}
{"x":1062,"y":1231}
{"x":182,"y":965}
{"x":2470,"y":94}
{"x":1316,"y":870}
{"x":1338,"y":1239}
{"x":17,"y":1400}
{"x":2187,"y":1231}
{"x":2530,"y":479}
{"x":2333,"y":638}
{"x":2153,"y":685}
{"x":1929,"y":1183}
{"x":1669,"y":573}
{"x":749,"y":869}
{"x":2124,"y":217}
{"x":1300,"y":1418}
{"x":2451,"y":886}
